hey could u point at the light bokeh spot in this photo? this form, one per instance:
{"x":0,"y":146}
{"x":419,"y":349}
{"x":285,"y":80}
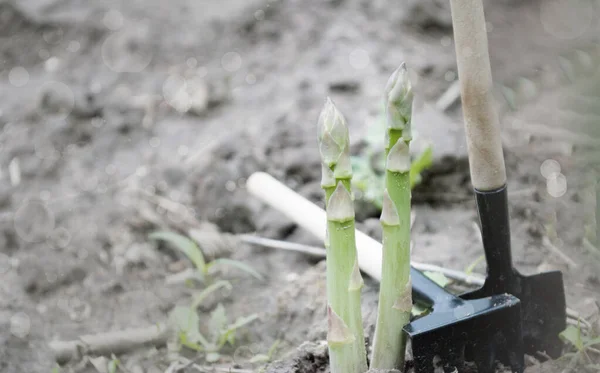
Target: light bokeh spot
{"x":549,"y":168}
{"x":556,"y":185}
{"x":113,"y":20}
{"x":5,"y":263}
{"x":60,"y":238}
{"x":20,"y":325}
{"x":33,"y":221}
{"x":231,"y":61}
{"x":129,"y":50}
{"x":18,"y":76}
{"x":55,"y":99}
{"x":566,"y":19}
{"x":359,"y":59}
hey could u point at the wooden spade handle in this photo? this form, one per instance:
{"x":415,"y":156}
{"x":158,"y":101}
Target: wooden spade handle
{"x":484,"y":144}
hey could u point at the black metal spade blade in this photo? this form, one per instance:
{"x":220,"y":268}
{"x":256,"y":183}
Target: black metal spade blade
{"x":487,"y":329}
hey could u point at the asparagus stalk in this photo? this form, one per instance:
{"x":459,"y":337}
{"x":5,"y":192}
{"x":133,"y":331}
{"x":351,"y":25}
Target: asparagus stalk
{"x":344,"y":282}
{"x":395,"y":299}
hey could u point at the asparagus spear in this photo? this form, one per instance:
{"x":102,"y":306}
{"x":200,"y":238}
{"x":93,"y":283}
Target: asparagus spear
{"x":344,"y":282}
{"x":395,"y":301}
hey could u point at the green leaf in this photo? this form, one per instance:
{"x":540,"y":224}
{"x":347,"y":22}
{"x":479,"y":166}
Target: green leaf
{"x":228,"y":336}
{"x":217,"y":322}
{"x":572,"y":335}
{"x":100,"y":363}
{"x":186,"y":323}
{"x":200,"y":297}
{"x":212,"y":357}
{"x":191,"y":345}
{"x":237,"y":264}
{"x":260,"y":358}
{"x":273,"y":349}
{"x":113,"y":365}
{"x":375,"y":131}
{"x":419,"y":310}
{"x":438,"y":278}
{"x":475,"y":263}
{"x":242,"y":321}
{"x":367,"y":181}
{"x":185,"y":245}
{"x":420,"y":164}
{"x":510,"y":97}
{"x":591,"y":342}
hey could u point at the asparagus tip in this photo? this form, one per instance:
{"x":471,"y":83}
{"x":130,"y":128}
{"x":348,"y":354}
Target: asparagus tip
{"x":340,"y":206}
{"x":399,"y":157}
{"x":389,"y":213}
{"x":404,"y":302}
{"x":399,"y":98}
{"x":338,"y":332}
{"x":394,"y":78}
{"x":356,"y":280}
{"x":333,"y":133}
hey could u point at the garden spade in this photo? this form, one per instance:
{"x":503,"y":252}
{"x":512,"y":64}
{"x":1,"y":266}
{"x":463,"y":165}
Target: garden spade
{"x":543,"y":306}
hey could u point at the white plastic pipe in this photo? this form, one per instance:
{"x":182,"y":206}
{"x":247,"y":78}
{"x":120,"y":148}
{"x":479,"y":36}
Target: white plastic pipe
{"x":312,"y":218}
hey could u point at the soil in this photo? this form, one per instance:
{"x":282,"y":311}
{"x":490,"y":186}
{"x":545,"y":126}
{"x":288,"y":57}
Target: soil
{"x":119,"y":118}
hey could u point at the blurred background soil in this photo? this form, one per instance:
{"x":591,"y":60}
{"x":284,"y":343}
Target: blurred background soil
{"x":118,"y":118}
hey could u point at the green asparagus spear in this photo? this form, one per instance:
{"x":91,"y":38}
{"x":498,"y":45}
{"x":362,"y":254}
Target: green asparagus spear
{"x":395,"y":300}
{"x":345,"y":336}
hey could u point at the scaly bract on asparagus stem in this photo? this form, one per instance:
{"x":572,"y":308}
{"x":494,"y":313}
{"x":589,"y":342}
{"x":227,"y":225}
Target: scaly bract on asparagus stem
{"x":395,"y":301}
{"x":346,"y":341}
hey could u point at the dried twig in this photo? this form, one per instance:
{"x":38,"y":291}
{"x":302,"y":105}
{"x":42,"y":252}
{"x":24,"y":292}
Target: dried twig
{"x":110,"y":342}
{"x":550,"y":246}
{"x":449,"y":97}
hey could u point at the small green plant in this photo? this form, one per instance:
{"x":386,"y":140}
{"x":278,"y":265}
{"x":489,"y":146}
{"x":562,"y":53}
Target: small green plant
{"x":583,"y":345}
{"x":104,"y":365}
{"x":204,"y":269}
{"x":268,"y":357}
{"x":113,"y":364}
{"x":471,"y":267}
{"x":186,"y":324}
